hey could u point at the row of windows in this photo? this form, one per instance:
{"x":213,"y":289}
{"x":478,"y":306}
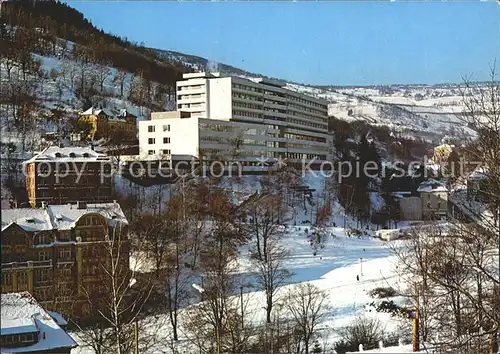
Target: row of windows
{"x":64,"y":272}
{"x":272,"y":93}
{"x":305,"y":156}
{"x":91,"y":220}
{"x":221,"y":140}
{"x":247,"y":105}
{"x":247,"y":97}
{"x":21,"y":276}
{"x":91,"y":270}
{"x":151,"y":141}
{"x":90,"y":236}
{"x":306,"y":109}
{"x":305,"y":147}
{"x":248,"y":88}
{"x":189,"y":105}
{"x":44,"y":294}
{"x":307,"y":124}
{"x":274,"y":110}
{"x":188,"y":96}
{"x":254,"y":142}
{"x":304,"y":137}
{"x":307,"y":102}
{"x":73,"y":179}
{"x":13,"y":339}
{"x":43,"y":255}
{"x":216,"y":139}
{"x":275,"y":102}
{"x":187,"y":88}
{"x":308,"y":116}
{"x":91,"y":253}
{"x":216,"y":127}
{"x":42,"y":275}
{"x":164,"y":152}
{"x":152,"y":128}
{"x":247,"y":114}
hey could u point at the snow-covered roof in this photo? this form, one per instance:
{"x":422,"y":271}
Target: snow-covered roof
{"x":68,"y":154}
{"x":27,"y":218}
{"x":395,"y":349}
{"x":115,"y":113}
{"x":58,"y":318}
{"x":479,"y":174}
{"x":96,"y":111}
{"x":60,"y":217}
{"x":431,"y":186}
{"x":21,"y":313}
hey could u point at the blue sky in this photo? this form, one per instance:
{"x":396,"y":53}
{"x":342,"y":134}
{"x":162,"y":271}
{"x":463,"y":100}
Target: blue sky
{"x":338,"y":43}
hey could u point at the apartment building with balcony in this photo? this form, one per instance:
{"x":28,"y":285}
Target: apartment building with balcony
{"x":57,"y":252}
{"x":60,"y":175}
{"x":240,"y":117}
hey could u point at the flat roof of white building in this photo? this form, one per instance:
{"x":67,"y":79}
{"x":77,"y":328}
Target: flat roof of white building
{"x":271,"y":82}
{"x":199,"y":75}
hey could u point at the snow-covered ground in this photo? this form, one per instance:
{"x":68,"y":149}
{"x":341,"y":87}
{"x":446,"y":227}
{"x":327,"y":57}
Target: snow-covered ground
{"x":333,"y":269}
{"x":425,"y":109}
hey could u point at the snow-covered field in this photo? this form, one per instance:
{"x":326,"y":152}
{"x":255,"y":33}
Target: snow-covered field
{"x":333,"y":269}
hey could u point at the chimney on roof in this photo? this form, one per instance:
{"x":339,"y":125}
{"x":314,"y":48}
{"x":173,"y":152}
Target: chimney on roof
{"x":44,"y":205}
{"x":81,"y":205}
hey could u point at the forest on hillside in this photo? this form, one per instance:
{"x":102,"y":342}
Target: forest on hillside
{"x":39,"y":25}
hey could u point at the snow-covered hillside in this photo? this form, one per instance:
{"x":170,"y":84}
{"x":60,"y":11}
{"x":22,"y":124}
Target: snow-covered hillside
{"x":333,"y":269}
{"x":58,"y":87}
{"x":430,"y":112}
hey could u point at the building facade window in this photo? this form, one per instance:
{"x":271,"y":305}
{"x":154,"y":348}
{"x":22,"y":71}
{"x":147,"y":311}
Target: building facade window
{"x":43,"y":255}
{"x":151,"y":141}
{"x":42,"y":275}
{"x":151,"y":152}
{"x":151,"y":128}
{"x":22,"y":278}
{"x":65,"y":254}
{"x":166,"y":140}
{"x":166,"y":128}
{"x":6,"y":278}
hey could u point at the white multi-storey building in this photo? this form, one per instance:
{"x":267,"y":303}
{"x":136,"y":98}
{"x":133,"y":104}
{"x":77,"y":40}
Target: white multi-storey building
{"x":242,"y":118}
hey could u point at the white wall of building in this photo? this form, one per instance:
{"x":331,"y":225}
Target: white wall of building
{"x":219,"y":99}
{"x":179,"y":136}
{"x":271,"y":120}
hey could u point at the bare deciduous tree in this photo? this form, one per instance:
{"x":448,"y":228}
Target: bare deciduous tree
{"x":121,"y":293}
{"x":308,"y":307}
{"x":266,"y":213}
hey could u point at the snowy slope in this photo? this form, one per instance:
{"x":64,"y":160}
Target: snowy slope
{"x":428,"y":111}
{"x":333,"y":269}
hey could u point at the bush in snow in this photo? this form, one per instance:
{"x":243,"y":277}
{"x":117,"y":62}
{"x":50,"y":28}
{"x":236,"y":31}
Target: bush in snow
{"x":364,"y":330}
{"x":382,"y":292}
